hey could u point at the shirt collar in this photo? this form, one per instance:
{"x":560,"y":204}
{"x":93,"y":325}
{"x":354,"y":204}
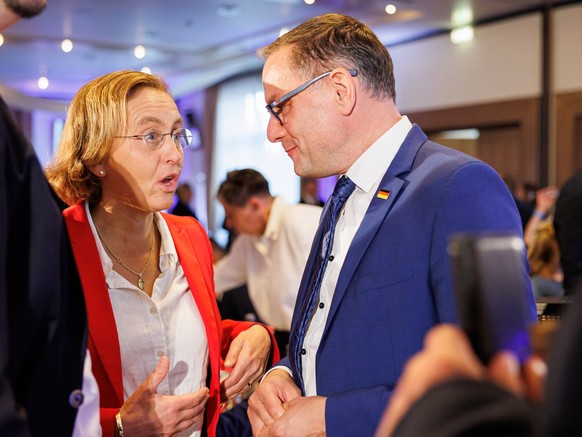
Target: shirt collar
{"x":168,"y":254}
{"x":371,"y":166}
{"x":275,"y":217}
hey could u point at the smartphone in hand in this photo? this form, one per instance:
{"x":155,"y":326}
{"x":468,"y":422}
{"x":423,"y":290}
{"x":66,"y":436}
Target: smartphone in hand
{"x":491,"y":292}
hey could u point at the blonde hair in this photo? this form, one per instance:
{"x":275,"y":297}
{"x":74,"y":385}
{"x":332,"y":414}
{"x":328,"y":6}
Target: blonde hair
{"x":96,"y":115}
{"x":543,"y":252}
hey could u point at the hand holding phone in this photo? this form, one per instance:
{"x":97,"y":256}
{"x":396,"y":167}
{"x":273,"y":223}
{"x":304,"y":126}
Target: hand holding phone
{"x":491,"y":292}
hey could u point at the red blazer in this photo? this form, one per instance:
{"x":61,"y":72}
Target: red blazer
{"x":195,"y":255}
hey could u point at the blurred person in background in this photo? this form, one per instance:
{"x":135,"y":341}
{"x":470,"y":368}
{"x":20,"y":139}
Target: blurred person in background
{"x":568,"y":226}
{"x":543,"y":255}
{"x":270,"y":250}
{"x":524,"y":208}
{"x":545,"y":201}
{"x":309,"y":192}
{"x":184,"y":195}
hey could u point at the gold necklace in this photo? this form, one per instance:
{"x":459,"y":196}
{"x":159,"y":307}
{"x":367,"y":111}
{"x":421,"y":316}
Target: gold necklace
{"x":140,"y":282}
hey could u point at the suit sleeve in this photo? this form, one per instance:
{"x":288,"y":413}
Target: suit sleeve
{"x":475,"y":200}
{"x":469,"y":408}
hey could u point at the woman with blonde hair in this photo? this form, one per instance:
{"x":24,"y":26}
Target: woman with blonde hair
{"x":155,"y":334}
{"x":544,"y":259}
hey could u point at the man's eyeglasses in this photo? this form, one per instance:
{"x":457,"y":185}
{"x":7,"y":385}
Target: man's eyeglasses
{"x":275,"y":107}
{"x":155,"y":138}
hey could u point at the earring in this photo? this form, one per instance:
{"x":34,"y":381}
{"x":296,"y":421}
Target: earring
{"x":101,"y":172}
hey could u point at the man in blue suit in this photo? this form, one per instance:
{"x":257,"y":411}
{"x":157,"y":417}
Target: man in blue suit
{"x":386,"y":281}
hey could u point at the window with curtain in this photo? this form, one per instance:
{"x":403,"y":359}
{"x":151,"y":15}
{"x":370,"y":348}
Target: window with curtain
{"x":241,"y":142}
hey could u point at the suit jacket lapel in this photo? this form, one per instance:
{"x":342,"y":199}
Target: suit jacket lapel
{"x":393,"y":183}
{"x":102,"y":327}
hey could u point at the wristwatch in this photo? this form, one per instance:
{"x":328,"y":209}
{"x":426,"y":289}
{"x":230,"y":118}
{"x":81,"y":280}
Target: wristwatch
{"x":118,"y":429}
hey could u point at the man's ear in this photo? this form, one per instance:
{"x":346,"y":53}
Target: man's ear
{"x":345,"y":90}
{"x":98,"y":170}
{"x":253,"y":203}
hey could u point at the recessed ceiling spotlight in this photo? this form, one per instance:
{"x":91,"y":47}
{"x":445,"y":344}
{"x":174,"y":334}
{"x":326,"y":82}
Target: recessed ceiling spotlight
{"x":146,"y":70}
{"x":309,"y":2}
{"x":228,"y":10}
{"x":283,"y":31}
{"x":139,"y":51}
{"x":461,"y":35}
{"x":390,"y":9}
{"x":462,"y":15}
{"x":67,"y":45}
{"x":43,"y":83}
{"x":1,"y":39}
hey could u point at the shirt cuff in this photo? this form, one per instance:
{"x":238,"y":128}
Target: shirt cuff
{"x":286,"y":369}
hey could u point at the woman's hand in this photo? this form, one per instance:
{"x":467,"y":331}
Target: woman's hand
{"x":146,"y":413}
{"x":247,"y":358}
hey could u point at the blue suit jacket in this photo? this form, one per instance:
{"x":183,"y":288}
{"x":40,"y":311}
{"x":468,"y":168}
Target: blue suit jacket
{"x":396,"y":282}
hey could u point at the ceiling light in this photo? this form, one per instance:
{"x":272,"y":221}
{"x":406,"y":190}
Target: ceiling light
{"x":462,"y":35}
{"x":1,"y":39}
{"x":43,"y":83}
{"x":283,"y":31}
{"x":228,"y":10}
{"x":309,"y":2}
{"x":139,"y":52}
{"x":146,"y":70}
{"x":462,"y":15}
{"x":67,"y":45}
{"x":390,"y":9}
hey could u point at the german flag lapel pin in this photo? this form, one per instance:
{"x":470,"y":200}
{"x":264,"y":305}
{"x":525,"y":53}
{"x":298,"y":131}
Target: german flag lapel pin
{"x":383,"y":194}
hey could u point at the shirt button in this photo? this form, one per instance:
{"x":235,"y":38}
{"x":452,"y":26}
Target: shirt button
{"x":321,"y":305}
{"x":331,"y":258}
{"x":303,"y":351}
{"x":153,"y":310}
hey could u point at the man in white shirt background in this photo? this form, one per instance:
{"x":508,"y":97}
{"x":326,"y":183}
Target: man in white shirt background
{"x":271,"y":248}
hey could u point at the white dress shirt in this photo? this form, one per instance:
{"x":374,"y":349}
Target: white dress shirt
{"x":169,"y":323}
{"x":271,"y":264}
{"x":366,"y":173}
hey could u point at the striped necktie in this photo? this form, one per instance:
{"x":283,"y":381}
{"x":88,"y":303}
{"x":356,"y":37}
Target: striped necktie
{"x":343,"y":189}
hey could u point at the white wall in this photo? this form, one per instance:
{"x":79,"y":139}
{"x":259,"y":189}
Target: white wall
{"x":567,"y":28}
{"x":503,"y":62}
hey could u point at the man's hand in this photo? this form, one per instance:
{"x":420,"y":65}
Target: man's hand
{"x":303,"y":417}
{"x":147,"y":413}
{"x":267,"y":402}
{"x":247,"y":356}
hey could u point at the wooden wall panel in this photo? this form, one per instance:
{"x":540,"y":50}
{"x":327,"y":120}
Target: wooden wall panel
{"x":510,"y":130}
{"x":568,"y":135}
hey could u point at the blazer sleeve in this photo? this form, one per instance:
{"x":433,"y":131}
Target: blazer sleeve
{"x":475,"y":200}
{"x":232,"y":328}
